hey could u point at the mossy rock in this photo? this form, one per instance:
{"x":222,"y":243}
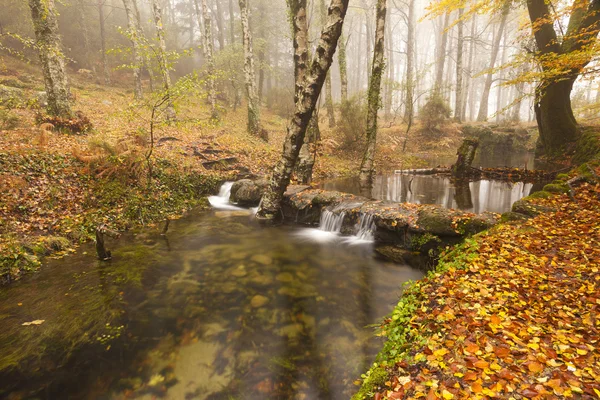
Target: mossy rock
{"x":556,"y":188}
{"x":542,"y":194}
{"x":512,"y":217}
{"x":528,"y":208}
{"x":246,"y":192}
{"x":436,"y":221}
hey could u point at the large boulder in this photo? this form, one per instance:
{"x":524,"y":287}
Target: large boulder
{"x":248,"y":193}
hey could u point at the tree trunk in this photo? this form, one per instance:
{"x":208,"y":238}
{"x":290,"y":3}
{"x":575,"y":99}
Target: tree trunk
{"x":220,"y":25}
{"x":410,"y":56}
{"x":467,"y":88}
{"x":315,"y":77}
{"x":231,"y":22}
{"x":358,"y":59}
{"x":366,"y":168}
{"x":466,"y":155}
{"x":162,"y":57}
{"x":441,"y":56}
{"x":554,"y":115}
{"x":261,"y":51}
{"x":143,"y":42}
{"x":134,"y":36}
{"x":343,"y":64}
{"x":208,"y":41}
{"x":369,"y":40}
{"x":328,"y":95}
{"x":105,"y":67}
{"x":458,"y":105}
{"x":516,"y":111}
{"x":390,"y":76}
{"x":48,"y":44}
{"x":300,"y":39}
{"x":500,"y":94}
{"x":485,"y":97}
{"x":250,"y":76}
{"x":89,"y":63}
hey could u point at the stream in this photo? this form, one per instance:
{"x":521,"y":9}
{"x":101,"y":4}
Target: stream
{"x":219,"y":308}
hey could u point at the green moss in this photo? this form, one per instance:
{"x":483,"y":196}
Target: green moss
{"x":556,"y":188}
{"x":562,"y":177}
{"x":512,"y":216}
{"x":588,"y":146}
{"x":375,"y":377}
{"x":540,"y":195}
{"x":419,"y":242}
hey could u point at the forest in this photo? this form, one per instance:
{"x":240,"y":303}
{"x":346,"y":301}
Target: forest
{"x":299,"y":199}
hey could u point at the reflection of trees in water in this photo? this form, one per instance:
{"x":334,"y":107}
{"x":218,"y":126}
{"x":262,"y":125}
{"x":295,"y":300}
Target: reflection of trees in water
{"x":462,"y":195}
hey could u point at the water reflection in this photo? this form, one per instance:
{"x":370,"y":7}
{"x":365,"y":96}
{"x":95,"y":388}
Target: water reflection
{"x":477,"y":197}
{"x":226,"y":310}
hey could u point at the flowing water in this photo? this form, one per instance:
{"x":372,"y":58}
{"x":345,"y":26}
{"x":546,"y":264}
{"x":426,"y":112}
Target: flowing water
{"x":220,"y":308}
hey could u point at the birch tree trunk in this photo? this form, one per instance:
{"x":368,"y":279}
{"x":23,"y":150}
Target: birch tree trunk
{"x":458,"y":105}
{"x":49,"y":47}
{"x":201,"y":27}
{"x":410,"y":57}
{"x":466,"y":90}
{"x":485,"y":96}
{"x":441,"y":56}
{"x":328,"y":95}
{"x":270,"y":208}
{"x":343,"y":64}
{"x":105,"y":67}
{"x":134,"y":36}
{"x":366,"y":168}
{"x":306,"y":159}
{"x":249,"y":73}
{"x":208,"y":41}
{"x":162,"y":57}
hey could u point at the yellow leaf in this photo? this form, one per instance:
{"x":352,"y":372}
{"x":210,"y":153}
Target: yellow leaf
{"x":447,"y":395}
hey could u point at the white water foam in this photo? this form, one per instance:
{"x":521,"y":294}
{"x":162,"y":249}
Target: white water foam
{"x":221,"y":201}
{"x":365,"y":229}
{"x":329,"y":228}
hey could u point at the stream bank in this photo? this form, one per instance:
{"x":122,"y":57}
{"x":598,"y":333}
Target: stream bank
{"x":505,"y":314}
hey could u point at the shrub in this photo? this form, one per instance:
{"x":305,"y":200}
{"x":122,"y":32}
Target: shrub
{"x":280,"y":101}
{"x":435,"y":112}
{"x":352,"y":124}
{"x":8,"y":120}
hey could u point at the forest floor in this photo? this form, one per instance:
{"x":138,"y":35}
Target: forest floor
{"x":511,"y":313}
{"x":56,"y":187}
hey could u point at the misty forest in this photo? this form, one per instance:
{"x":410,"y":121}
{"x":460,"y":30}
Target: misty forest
{"x":299,"y":199}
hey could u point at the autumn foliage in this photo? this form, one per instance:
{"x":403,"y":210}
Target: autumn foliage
{"x":513,"y":315}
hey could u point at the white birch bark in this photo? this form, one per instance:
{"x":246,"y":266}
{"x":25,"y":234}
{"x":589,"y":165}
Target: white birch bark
{"x":49,"y":47}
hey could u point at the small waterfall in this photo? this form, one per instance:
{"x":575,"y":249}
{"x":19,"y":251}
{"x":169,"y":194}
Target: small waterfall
{"x":331,"y":222}
{"x":221,"y":201}
{"x":364,"y":229}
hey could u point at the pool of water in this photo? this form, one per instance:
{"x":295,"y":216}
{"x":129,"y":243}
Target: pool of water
{"x":477,"y":197}
{"x":219,"y":308}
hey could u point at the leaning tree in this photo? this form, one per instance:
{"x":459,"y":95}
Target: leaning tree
{"x":270,"y":208}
